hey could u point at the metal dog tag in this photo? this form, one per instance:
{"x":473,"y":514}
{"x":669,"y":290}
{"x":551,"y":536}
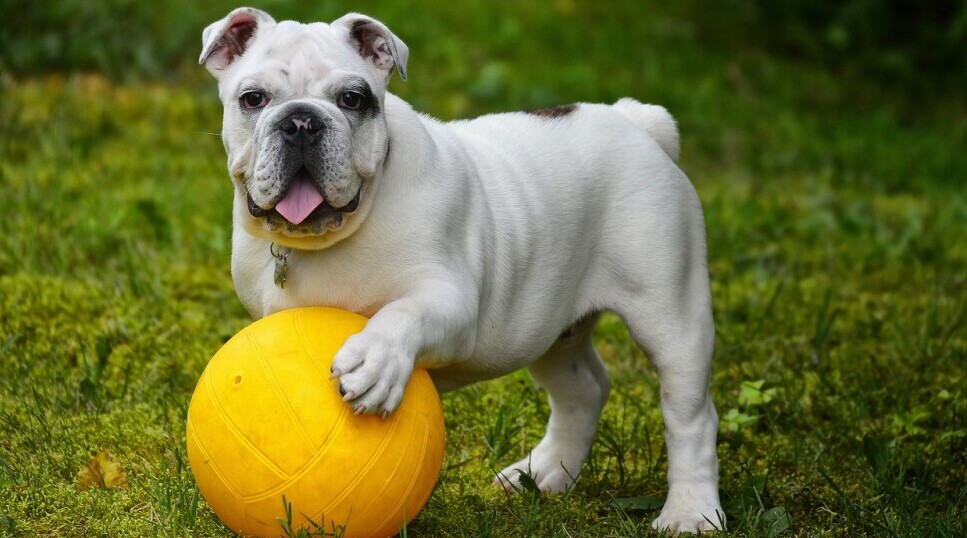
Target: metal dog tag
{"x":281,"y":264}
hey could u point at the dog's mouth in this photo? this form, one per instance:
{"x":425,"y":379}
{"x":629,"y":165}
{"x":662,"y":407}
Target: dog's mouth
{"x":302,"y":204}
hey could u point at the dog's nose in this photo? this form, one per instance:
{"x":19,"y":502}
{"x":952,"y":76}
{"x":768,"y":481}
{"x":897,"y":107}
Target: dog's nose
{"x":301,"y":127}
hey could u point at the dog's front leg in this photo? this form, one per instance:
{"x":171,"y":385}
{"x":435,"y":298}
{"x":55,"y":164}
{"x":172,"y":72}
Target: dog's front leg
{"x":436,"y":320}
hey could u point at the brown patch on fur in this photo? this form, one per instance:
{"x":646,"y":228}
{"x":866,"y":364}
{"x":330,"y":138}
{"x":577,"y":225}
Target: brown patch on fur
{"x":365,"y":33}
{"x":559,"y":111}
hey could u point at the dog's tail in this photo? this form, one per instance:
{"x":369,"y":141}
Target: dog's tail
{"x":654,"y":119}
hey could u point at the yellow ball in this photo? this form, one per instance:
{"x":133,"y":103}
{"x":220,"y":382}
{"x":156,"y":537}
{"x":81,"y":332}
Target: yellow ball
{"x":266,"y":421}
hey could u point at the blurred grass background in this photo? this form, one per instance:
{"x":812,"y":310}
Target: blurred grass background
{"x":828,"y":141}
{"x":896,"y":63}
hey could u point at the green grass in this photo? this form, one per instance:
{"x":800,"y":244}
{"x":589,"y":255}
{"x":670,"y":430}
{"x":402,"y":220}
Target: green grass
{"x":836,"y":210}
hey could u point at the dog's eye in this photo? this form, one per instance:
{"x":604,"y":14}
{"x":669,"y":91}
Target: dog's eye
{"x":351,"y":100}
{"x":252,"y":100}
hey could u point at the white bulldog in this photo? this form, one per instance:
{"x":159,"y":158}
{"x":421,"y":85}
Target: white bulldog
{"x":475,"y":247}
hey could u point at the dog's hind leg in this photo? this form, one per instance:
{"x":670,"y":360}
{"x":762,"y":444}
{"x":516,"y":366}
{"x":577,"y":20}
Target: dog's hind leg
{"x":577,"y":387}
{"x":674,"y":327}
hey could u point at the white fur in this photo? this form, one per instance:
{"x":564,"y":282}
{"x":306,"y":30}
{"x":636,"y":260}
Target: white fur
{"x":654,"y":119}
{"x":478,"y":243}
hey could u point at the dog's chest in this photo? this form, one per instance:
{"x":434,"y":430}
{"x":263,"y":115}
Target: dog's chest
{"x":310,"y":280}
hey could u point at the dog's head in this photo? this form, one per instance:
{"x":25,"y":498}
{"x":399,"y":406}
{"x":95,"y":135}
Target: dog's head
{"x":303,"y":124}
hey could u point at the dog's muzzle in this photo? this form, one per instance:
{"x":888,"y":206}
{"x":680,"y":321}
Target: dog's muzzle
{"x":302,"y":132}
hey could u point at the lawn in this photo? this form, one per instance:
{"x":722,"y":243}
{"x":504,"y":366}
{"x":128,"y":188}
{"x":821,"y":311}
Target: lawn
{"x":836,"y":206}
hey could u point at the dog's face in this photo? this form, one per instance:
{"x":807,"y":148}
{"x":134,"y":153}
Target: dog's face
{"x":303,"y":120}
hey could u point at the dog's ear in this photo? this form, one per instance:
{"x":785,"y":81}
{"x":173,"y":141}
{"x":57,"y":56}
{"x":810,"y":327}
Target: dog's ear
{"x":225,"y":40}
{"x":375,"y":43}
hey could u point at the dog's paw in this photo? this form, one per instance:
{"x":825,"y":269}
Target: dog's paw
{"x":684,"y":514}
{"x":513,"y":478}
{"x":372,"y":373}
{"x":552,"y":470}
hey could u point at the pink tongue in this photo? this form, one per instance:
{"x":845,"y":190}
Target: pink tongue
{"x":300,"y":201}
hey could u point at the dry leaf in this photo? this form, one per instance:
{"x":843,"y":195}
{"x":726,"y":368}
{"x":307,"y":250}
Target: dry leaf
{"x":102,"y":472}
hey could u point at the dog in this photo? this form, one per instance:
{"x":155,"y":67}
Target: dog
{"x":475,"y":248}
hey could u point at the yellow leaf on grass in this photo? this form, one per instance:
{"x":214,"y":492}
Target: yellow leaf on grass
{"x":101,"y":472}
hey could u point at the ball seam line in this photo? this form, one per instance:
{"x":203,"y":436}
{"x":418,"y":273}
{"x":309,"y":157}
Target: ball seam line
{"x":244,"y":440}
{"x":321,"y":453}
{"x":374,"y":457}
{"x":416,"y":475}
{"x":313,"y":358}
{"x":286,"y":404}
{"x":313,"y":354}
{"x":209,"y":461}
